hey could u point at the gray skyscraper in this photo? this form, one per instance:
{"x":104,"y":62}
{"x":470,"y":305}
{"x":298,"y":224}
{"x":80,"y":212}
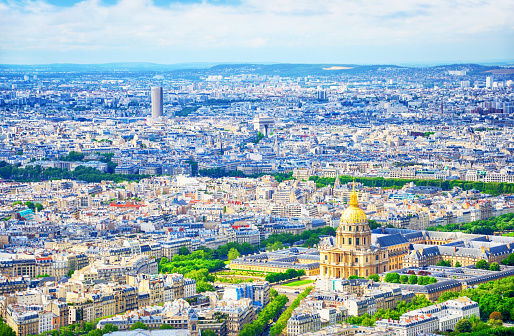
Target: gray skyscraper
{"x":156,"y":102}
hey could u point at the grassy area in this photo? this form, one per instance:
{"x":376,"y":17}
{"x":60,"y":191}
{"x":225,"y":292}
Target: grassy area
{"x":298,"y":283}
{"x":242,"y":272}
{"x":235,"y":280}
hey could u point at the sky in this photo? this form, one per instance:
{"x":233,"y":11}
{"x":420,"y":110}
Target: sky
{"x":275,"y":31}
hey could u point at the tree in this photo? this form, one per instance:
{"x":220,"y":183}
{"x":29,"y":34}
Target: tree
{"x":139,"y":325}
{"x":494,"y":266}
{"x":446,"y":263}
{"x":38,"y":206}
{"x":233,"y":254}
{"x":183,"y":251}
{"x":482,"y":264}
{"x":392,"y":277}
{"x":108,"y":328}
{"x":374,"y":277}
{"x":457,"y":264}
{"x":6,"y":330}
{"x":202,"y":286}
{"x":208,"y":332}
{"x":30,"y":205}
{"x":404,"y":278}
{"x":496,"y":316}
{"x":167,"y":326}
{"x":413,"y":279}
{"x":463,"y":326}
{"x":277,"y":246}
{"x":447,"y":296}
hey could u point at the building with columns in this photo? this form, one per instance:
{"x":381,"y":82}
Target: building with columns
{"x":352,"y":252}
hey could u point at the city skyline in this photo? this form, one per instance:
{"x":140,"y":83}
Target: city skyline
{"x":170,"y":32}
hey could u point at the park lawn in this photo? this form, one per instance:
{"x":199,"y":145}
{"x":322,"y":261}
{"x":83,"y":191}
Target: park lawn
{"x":298,"y":283}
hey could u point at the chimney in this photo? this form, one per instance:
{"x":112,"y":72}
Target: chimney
{"x":483,"y":249}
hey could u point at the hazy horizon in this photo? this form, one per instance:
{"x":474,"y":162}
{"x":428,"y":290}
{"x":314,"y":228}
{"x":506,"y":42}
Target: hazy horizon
{"x":418,"y":32}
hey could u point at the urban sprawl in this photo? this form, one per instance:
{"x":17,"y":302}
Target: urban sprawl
{"x":256,"y":200}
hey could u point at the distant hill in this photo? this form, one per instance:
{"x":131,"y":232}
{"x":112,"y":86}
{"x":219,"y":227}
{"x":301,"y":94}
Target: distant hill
{"x":270,"y":69}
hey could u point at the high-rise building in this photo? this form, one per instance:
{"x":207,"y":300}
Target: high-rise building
{"x":489,"y":82}
{"x":322,"y":95}
{"x":156,"y":102}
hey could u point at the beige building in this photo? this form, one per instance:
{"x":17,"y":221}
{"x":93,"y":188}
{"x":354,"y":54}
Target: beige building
{"x":352,"y":253}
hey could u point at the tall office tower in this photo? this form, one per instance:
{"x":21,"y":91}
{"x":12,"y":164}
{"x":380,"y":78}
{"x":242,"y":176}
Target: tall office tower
{"x":156,"y":102}
{"x":322,"y":94}
{"x":489,"y":82}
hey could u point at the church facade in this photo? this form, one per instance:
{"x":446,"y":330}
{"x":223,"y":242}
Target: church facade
{"x":352,"y":253}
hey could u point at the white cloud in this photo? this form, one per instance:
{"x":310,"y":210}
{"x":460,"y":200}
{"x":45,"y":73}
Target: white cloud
{"x":138,"y":25}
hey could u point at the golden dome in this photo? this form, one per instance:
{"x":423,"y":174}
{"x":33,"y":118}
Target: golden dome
{"x":353,"y":214}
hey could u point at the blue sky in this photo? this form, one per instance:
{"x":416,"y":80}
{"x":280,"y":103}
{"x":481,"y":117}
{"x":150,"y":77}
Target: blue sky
{"x":296,"y":31}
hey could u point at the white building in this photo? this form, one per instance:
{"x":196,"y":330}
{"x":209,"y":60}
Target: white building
{"x":440,"y":317}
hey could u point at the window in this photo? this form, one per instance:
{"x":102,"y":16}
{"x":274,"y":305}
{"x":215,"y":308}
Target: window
{"x":343,"y":240}
{"x":356,"y":241}
{"x":356,"y":228}
{"x":350,"y":241}
{"x":356,"y":260}
{"x":326,"y":257}
{"x":376,"y":258}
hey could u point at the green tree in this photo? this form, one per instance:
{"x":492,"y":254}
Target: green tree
{"x":457,"y":264}
{"x":277,"y":246}
{"x":183,"y":251}
{"x":30,"y":205}
{"x":108,"y":328}
{"x":494,"y":266}
{"x":463,"y":326}
{"x":38,"y":206}
{"x":392,"y":277}
{"x":203,"y":286}
{"x":446,"y":263}
{"x":233,"y":254}
{"x":374,"y":277}
{"x":139,"y":325}
{"x":6,"y":330}
{"x":208,"y":332}
{"x":482,"y":264}
{"x":167,"y":326}
{"x":70,"y":273}
{"x":404,"y":278}
{"x":447,"y":296}
{"x":413,"y":279}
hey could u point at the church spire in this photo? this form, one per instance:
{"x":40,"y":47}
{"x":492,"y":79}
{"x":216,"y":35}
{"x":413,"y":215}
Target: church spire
{"x":337,"y":182}
{"x":353,"y":199}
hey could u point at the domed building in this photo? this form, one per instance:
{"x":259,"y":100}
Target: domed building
{"x":352,"y":252}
